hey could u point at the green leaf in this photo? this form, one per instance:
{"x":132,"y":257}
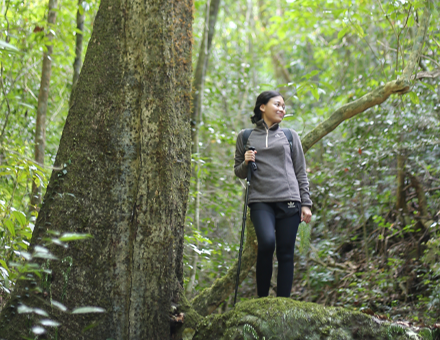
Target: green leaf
{"x":310,"y":75}
{"x":74,"y":237}
{"x":414,"y":98}
{"x":343,"y":31}
{"x":26,"y":105}
{"x":8,"y":46}
{"x":20,"y":217}
{"x":58,"y":305}
{"x":49,"y":323}
{"x":84,"y":310}
{"x":10,"y":227}
{"x":338,"y":12}
{"x":314,"y":91}
{"x":4,"y":265}
{"x":429,"y":86}
{"x":359,"y":30}
{"x":43,"y":253}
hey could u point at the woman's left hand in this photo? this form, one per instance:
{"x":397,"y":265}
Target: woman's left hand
{"x":306,"y":214}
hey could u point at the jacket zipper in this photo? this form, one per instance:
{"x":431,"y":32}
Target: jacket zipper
{"x":267,"y":135}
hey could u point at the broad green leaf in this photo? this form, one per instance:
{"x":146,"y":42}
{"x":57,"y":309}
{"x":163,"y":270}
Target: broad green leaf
{"x":43,"y":253}
{"x":38,"y":330}
{"x":310,"y":75}
{"x":414,"y":98}
{"x":20,"y":217}
{"x":338,"y":12}
{"x":343,"y":31}
{"x":9,"y":47}
{"x":85,"y":310}
{"x":429,"y":86}
{"x":4,"y":273}
{"x":23,"y":309}
{"x":359,"y":30}
{"x":314,"y":91}
{"x":74,"y":237}
{"x":58,"y":305}
{"x":10,"y":227}
{"x":49,"y":323}
{"x":26,"y":105}
{"x":4,"y":265}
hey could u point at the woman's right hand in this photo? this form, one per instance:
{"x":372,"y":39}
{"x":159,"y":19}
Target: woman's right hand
{"x":249,"y":156}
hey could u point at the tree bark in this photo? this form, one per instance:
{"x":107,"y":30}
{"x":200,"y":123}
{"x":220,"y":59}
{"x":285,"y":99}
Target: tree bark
{"x":125,"y":159}
{"x":40,"y":127}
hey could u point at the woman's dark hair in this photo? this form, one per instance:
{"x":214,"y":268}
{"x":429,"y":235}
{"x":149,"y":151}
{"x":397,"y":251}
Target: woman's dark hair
{"x":263,"y":98}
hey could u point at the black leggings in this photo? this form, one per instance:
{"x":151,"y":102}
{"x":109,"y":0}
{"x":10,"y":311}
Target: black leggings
{"x":275,"y":223}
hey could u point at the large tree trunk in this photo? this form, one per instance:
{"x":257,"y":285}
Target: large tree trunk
{"x":40,"y":127}
{"x":125,"y":159}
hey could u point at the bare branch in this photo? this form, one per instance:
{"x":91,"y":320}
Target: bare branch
{"x":431,"y":74}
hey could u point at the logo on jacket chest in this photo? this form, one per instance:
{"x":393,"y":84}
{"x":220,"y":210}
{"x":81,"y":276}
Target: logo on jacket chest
{"x":278,"y":135}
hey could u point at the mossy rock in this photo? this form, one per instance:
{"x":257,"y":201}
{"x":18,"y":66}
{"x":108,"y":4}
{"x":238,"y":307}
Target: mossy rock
{"x":283,"y":318}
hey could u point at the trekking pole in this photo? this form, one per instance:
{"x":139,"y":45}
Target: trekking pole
{"x":251,"y":167}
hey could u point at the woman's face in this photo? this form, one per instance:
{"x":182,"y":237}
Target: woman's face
{"x":274,"y":111}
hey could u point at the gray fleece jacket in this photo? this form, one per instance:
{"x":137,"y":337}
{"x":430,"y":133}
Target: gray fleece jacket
{"x":277,"y":178}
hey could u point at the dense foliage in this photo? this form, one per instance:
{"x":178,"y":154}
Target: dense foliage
{"x":366,"y":251}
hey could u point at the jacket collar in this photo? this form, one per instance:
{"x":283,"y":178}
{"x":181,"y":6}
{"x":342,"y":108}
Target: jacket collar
{"x":262,"y":125}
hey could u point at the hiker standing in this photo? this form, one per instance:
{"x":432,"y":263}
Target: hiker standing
{"x":279,"y":196}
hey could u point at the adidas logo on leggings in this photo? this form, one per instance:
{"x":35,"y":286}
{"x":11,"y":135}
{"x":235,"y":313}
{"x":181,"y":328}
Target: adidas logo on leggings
{"x":291,"y":205}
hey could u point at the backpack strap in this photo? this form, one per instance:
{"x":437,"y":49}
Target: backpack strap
{"x":289,"y":137}
{"x":245,"y":136}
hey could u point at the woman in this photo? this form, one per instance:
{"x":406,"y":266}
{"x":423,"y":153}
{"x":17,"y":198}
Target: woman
{"x":279,"y":196}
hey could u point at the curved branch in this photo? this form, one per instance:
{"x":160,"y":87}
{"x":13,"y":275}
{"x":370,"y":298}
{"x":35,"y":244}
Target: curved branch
{"x":347,"y":111}
{"x":375,"y":97}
